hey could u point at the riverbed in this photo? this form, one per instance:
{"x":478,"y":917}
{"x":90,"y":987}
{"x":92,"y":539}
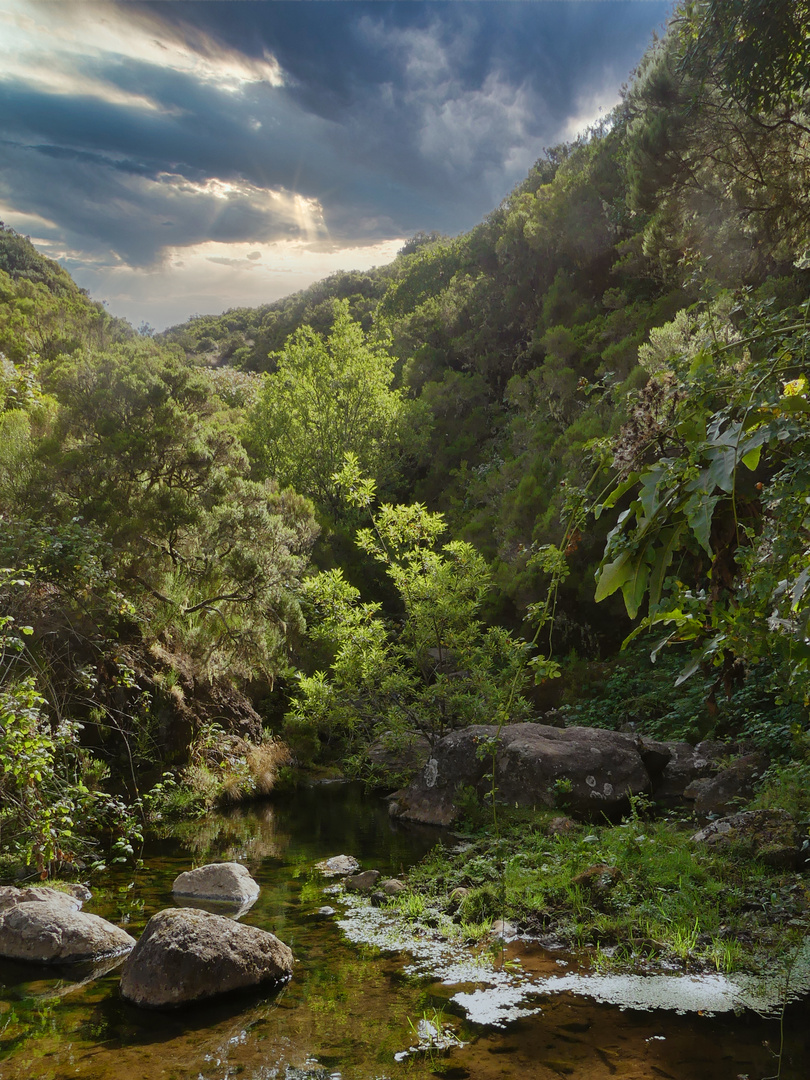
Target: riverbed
{"x":365,"y":1001}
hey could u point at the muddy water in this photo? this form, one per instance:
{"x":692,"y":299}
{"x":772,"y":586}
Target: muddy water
{"x":353,"y":1010}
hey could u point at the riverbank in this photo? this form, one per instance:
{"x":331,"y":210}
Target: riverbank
{"x":640,"y":896}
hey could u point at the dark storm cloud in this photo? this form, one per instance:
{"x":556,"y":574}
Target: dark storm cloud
{"x":392,"y":116}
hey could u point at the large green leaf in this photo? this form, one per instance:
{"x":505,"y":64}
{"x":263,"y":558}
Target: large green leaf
{"x":670,"y":541}
{"x":721,"y":470}
{"x":616,"y":494}
{"x":635,"y":586}
{"x":751,"y":459}
{"x":613,"y":575}
{"x":699,"y":512}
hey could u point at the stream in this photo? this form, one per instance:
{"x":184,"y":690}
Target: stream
{"x":364,"y":1001}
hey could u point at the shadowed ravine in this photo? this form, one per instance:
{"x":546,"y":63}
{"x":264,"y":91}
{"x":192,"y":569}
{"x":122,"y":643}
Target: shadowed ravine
{"x":351,"y":1008}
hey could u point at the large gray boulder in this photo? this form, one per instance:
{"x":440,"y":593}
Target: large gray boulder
{"x":53,"y":932}
{"x":398,"y":753}
{"x":687,"y":764}
{"x":228,"y":883}
{"x":729,"y":788}
{"x":11,"y":896}
{"x":589,"y":771}
{"x":187,"y":955}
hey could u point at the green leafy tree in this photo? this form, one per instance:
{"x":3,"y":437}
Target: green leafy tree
{"x":714,"y":533}
{"x":436,"y":667}
{"x":143,"y":451}
{"x":330,"y":395}
{"x":52,"y":808}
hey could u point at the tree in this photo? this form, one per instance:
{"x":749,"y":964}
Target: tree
{"x":142,"y":460}
{"x":329,"y":396}
{"x":759,"y":47}
{"x":435,"y":668}
{"x":715,"y":535}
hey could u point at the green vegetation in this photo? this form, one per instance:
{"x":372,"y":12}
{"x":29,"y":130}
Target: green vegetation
{"x":598,"y":394}
{"x":438,"y":668}
{"x":324,"y":399}
{"x":658,"y":901}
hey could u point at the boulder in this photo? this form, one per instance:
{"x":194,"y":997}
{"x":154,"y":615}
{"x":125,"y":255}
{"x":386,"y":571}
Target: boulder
{"x":655,"y":755}
{"x":592,"y":772}
{"x":187,"y":955}
{"x":728,"y":789}
{"x":395,"y":753}
{"x":364,"y":882}
{"x":687,"y":763}
{"x":228,"y":882}
{"x":54,"y":932}
{"x":11,"y":896}
{"x":770,"y":835}
{"x":393,"y":886}
{"x":338,"y":866}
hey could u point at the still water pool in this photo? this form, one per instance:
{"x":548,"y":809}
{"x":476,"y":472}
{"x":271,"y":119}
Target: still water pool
{"x":358,"y":998}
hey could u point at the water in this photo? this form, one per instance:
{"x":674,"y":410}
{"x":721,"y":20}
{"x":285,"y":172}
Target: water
{"x":354,"y":1009}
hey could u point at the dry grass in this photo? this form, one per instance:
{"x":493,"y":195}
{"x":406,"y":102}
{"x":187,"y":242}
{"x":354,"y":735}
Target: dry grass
{"x":227,"y":768}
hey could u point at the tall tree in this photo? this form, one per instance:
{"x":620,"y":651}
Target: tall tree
{"x":329,"y":396}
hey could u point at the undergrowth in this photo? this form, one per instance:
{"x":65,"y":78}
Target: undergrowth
{"x":672,"y":905}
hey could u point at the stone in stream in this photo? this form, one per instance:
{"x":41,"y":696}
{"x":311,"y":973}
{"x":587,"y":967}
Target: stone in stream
{"x":392,"y":886}
{"x":11,"y":896}
{"x":338,"y":866}
{"x":228,"y":883}
{"x":364,"y":882}
{"x":54,"y":932}
{"x":187,"y":955}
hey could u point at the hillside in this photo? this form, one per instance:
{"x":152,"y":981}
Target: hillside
{"x":504,"y":453}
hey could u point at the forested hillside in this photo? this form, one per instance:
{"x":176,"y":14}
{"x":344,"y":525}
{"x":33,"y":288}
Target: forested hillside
{"x":584,"y":419}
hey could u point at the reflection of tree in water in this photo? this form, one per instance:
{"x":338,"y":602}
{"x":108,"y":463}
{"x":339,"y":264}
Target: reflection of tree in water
{"x":243,"y":835}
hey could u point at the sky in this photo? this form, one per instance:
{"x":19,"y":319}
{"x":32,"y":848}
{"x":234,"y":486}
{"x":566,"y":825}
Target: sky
{"x":183,"y":158}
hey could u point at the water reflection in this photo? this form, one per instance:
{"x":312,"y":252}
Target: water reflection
{"x":350,"y":1008}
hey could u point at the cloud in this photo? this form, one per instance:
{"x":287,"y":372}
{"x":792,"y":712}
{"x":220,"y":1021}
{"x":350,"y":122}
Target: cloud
{"x":141,"y":130}
{"x":212,"y":277}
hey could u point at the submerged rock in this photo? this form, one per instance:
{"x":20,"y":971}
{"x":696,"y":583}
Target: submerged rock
{"x":54,"y":932}
{"x":338,"y":866}
{"x":770,"y":835}
{"x":187,"y":955}
{"x":228,"y":882}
